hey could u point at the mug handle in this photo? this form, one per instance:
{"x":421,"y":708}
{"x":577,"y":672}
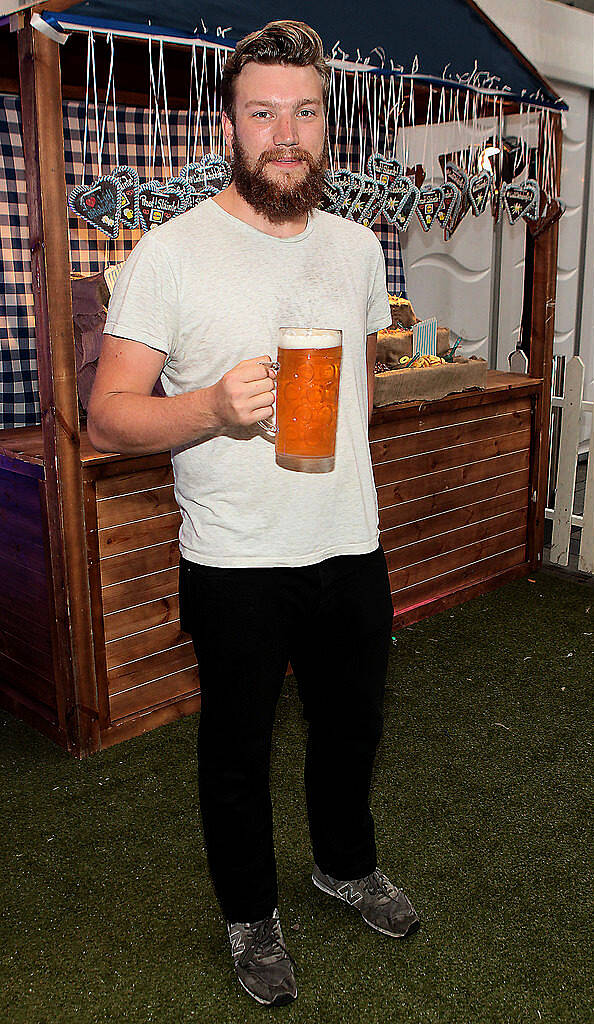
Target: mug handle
{"x":269,"y":426}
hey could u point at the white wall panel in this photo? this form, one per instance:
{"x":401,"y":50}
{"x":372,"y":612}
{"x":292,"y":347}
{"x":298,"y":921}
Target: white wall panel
{"x":452,"y":280}
{"x":570,"y":225}
{"x":511,"y":290}
{"x":587,"y":325}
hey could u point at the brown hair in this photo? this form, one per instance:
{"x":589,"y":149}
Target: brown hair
{"x":279,"y":42}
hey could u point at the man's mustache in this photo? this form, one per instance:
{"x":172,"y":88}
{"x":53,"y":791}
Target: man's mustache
{"x":285,"y":154}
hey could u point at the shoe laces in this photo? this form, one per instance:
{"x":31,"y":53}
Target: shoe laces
{"x":265,"y":944}
{"x":377,"y":884}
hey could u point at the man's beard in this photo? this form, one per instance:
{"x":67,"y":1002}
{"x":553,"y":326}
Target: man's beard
{"x":279,"y":201}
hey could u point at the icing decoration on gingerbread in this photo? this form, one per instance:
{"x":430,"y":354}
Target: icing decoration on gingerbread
{"x":384,"y":170}
{"x":370,"y":201}
{"x":429,"y":204}
{"x":159,"y":202}
{"x":452,"y":172}
{"x":210,"y":171}
{"x":407,"y":207}
{"x":100,"y":204}
{"x":520,"y":200}
{"x":479,"y":191}
{"x":128,"y":179}
{"x":352,"y":186}
{"x":193,"y":194}
{"x":400,"y":202}
{"x":332,"y":195}
{"x":452,"y":197}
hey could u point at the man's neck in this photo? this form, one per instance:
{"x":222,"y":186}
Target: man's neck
{"x":231,"y":202}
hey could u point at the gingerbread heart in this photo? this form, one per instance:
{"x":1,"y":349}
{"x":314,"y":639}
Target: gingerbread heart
{"x":429,"y":204}
{"x":128,"y":179}
{"x":194,"y":195}
{"x":452,"y":172}
{"x":452,"y":197}
{"x":519,"y":200}
{"x":457,"y":218}
{"x":370,"y":201}
{"x":400,"y":202}
{"x":383,"y":169}
{"x":332,"y":194}
{"x":479,"y":191}
{"x":100,"y":204}
{"x":160,"y":201}
{"x":351,"y":185}
{"x":210,"y":171}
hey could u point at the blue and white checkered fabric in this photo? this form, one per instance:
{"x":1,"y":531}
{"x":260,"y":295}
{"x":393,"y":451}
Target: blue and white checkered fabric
{"x":90,"y":251}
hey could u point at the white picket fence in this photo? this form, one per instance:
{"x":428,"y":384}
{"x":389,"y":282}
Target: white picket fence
{"x":573,"y":410}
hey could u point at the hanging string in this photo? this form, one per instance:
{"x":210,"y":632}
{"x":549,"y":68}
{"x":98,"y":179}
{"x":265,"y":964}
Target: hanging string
{"x":398,"y":113}
{"x":342,"y":97}
{"x":387,"y":113}
{"x":411,"y":118}
{"x":157,"y":128}
{"x":198,"y":105}
{"x":208,"y":110}
{"x":331,"y":115}
{"x":163,"y":78}
{"x":212,"y":142}
{"x":555,"y":190}
{"x":350,"y":127}
{"x":428,"y":118}
{"x":373,"y":124}
{"x":110,"y":79}
{"x":84,"y":159}
{"x":115,"y":112}
{"x":99,"y":148}
{"x":189,"y":122}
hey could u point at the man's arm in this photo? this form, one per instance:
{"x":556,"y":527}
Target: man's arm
{"x":371,"y":350}
{"x":124,"y":417}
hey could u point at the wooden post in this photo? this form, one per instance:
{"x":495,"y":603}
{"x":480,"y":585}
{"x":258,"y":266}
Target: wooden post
{"x":544,"y":287}
{"x":43,"y":144}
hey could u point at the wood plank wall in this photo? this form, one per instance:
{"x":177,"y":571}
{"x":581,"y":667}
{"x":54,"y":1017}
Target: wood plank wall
{"x":149,"y":661}
{"x":26,"y":668}
{"x":453,"y":493}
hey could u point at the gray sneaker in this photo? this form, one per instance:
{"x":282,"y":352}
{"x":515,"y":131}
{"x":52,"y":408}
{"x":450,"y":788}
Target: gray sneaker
{"x":381,"y":904}
{"x":263,"y":966}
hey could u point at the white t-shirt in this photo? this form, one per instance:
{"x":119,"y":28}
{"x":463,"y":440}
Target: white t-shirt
{"x":209,"y":290}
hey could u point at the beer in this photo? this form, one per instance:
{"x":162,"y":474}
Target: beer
{"x":307,"y":398}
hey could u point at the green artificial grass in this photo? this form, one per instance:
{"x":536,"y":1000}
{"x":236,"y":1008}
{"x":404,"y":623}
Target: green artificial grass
{"x":482,"y":801}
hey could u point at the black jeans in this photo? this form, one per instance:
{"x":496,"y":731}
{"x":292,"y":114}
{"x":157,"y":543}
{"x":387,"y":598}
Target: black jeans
{"x":333,"y":622}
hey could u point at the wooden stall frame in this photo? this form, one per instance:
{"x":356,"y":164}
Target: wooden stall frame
{"x":43,"y":144}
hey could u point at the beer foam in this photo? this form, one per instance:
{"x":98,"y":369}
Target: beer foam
{"x":308,"y":337}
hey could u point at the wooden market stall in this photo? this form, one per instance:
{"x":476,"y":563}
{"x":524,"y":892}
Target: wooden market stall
{"x":90,"y":646}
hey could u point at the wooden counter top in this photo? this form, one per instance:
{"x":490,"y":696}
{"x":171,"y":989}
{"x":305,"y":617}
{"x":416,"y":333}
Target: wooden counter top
{"x":25,"y":444}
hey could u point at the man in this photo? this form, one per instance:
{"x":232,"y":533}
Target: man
{"x":276,"y":566}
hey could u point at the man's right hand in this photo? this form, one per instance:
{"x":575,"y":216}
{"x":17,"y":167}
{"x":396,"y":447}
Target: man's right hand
{"x":245,"y":394}
{"x":124,"y":416}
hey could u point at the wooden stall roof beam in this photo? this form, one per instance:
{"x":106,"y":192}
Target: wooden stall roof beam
{"x":544,"y":288}
{"x":43,"y":143}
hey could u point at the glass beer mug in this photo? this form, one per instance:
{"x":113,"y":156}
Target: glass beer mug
{"x":307,"y":384}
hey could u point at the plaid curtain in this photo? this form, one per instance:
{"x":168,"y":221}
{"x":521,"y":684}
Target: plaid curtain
{"x":90,"y":251}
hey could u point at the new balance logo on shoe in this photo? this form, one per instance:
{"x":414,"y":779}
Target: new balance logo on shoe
{"x":349,"y":894}
{"x":237,"y":943}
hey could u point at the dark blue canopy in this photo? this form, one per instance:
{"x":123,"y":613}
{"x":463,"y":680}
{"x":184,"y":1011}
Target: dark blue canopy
{"x":452,"y":34}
